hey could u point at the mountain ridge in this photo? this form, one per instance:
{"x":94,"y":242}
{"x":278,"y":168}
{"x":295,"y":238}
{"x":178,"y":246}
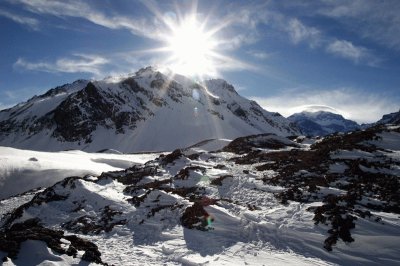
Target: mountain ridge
{"x":128,"y":113}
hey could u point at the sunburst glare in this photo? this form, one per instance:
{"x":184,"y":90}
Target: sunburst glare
{"x":191,"y":42}
{"x":191,"y":48}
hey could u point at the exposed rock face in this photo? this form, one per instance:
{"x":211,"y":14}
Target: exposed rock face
{"x":264,"y":141}
{"x":147,"y":111}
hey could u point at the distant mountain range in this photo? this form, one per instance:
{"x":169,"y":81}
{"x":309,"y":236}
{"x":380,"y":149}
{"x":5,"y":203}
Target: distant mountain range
{"x":147,"y":111}
{"x":152,"y":111}
{"x":322,"y":123}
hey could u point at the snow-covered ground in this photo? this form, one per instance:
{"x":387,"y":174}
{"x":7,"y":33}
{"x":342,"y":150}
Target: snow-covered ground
{"x":35,"y":252}
{"x":147,"y":215}
{"x":22,"y":170}
{"x":237,"y":236}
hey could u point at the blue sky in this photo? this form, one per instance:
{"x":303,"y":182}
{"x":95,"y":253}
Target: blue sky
{"x":287,"y":55}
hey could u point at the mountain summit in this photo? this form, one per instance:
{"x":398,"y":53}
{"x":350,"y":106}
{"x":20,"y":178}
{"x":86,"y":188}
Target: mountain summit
{"x":148,"y":111}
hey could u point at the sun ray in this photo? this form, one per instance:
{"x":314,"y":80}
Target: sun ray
{"x":191,"y":47}
{"x":152,"y":7}
{"x":191,"y":41}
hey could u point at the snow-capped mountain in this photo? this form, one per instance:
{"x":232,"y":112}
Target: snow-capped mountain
{"x":322,"y":123}
{"x":147,"y":111}
{"x":392,"y":118}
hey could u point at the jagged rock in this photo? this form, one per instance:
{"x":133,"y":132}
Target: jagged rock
{"x":218,"y":181}
{"x":132,"y":175}
{"x":12,"y":238}
{"x":195,"y":217}
{"x":185,"y":172}
{"x":95,"y":225}
{"x":171,"y":157}
{"x":247,"y":144}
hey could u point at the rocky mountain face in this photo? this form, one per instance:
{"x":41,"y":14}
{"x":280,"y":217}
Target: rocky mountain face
{"x":259,"y":196}
{"x":322,"y":123}
{"x":147,"y":111}
{"x":392,"y":118}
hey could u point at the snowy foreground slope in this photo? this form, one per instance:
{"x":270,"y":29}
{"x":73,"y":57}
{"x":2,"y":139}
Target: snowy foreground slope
{"x":22,"y":170}
{"x":147,"y":111}
{"x":262,"y":200}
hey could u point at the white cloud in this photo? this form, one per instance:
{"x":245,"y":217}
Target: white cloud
{"x":249,"y":16}
{"x":239,"y":40}
{"x":77,"y":63}
{"x":258,"y":54}
{"x":84,"y":11}
{"x":240,"y":24}
{"x":299,"y":32}
{"x":352,"y":104}
{"x":376,"y":20}
{"x":240,"y":27}
{"x":30,"y":22}
{"x":347,"y":50}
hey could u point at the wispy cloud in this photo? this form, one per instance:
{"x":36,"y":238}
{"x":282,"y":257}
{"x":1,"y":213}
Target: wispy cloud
{"x":299,"y":32}
{"x":375,"y":20}
{"x":348,"y":50}
{"x":241,"y":23}
{"x":352,"y":104}
{"x":239,"y":40}
{"x":240,"y":27}
{"x":77,"y":63}
{"x":82,"y":10}
{"x":24,"y":20}
{"x":258,"y":54}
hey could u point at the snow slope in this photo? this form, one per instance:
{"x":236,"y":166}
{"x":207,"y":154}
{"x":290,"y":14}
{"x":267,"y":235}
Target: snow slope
{"x":37,"y":253}
{"x":321,"y":123}
{"x":22,"y":170}
{"x":148,"y":111}
{"x":264,"y":207}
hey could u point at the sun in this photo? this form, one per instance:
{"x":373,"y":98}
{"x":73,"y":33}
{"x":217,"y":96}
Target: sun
{"x":192,"y":43}
{"x":191,"y":48}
